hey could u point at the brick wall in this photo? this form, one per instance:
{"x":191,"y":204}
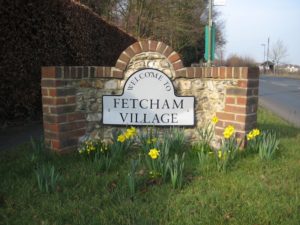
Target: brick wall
{"x":64,"y":124}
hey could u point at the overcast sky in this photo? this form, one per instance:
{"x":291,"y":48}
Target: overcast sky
{"x":248,"y":24}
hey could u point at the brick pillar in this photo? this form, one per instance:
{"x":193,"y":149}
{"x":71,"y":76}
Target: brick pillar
{"x":241,"y":101}
{"x":62,"y":124}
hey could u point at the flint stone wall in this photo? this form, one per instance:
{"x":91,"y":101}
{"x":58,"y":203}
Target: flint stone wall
{"x":72,"y":96}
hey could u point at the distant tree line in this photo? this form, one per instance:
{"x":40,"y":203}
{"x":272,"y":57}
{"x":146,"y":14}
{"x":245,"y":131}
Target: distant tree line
{"x":179,"y":23}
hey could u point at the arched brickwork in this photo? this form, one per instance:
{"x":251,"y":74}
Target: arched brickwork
{"x":148,"y":46}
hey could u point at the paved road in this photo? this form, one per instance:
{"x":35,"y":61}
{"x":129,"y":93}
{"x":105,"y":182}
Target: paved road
{"x":14,"y":136}
{"x":282,"y":96}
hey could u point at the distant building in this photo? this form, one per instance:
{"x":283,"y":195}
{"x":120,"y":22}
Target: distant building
{"x":291,"y":69}
{"x":266,"y":66}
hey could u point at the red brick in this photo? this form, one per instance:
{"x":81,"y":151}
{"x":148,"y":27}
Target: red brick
{"x":55,"y":144}
{"x":248,"y":83}
{"x":178,"y":65}
{"x":236,"y":72}
{"x":238,"y":91}
{"x":52,"y":92}
{"x":161,"y":47}
{"x":168,"y":51}
{"x":190,"y":72}
{"x":153,"y":46}
{"x":248,"y":118}
{"x":75,"y":117}
{"x":52,"y":83}
{"x":107,"y":72}
{"x":136,"y":48}
{"x":235,"y":109}
{"x":71,"y":100}
{"x":130,"y":53}
{"x":124,"y":57}
{"x":46,"y":109}
{"x":144,"y":45}
{"x":241,"y":100}
{"x":225,"y":116}
{"x":174,"y":57}
{"x":121,"y":65}
{"x":198,"y":72}
{"x":117,"y":74}
{"x":229,"y":73}
{"x":100,"y":71}
{"x":73,"y":133}
{"x":48,"y":72}
{"x":44,"y":91}
{"x":62,"y":109}
{"x":214,"y":72}
{"x":54,"y":118}
{"x":244,"y":72}
{"x":253,"y":73}
{"x":181,"y":73}
{"x":243,"y":83}
{"x":50,"y":135}
{"x":223,"y":72}
{"x":230,"y":100}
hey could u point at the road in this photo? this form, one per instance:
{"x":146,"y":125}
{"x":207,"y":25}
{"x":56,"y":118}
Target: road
{"x":282,"y":96}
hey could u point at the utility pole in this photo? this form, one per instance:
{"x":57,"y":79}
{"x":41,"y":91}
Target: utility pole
{"x":209,"y":32}
{"x":264,"y":45}
{"x":268,"y":49}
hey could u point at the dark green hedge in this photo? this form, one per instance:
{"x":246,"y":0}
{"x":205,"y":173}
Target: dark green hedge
{"x":37,"y":33}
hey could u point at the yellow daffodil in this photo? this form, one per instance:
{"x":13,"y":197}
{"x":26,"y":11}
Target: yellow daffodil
{"x":130,"y":133}
{"x":256,"y":132}
{"x":215,"y":120}
{"x":153,"y":153}
{"x":121,"y":138}
{"x":252,"y":134}
{"x":228,"y":132}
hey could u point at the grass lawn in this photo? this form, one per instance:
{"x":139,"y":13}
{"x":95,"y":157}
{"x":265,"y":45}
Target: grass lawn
{"x":252,"y":192}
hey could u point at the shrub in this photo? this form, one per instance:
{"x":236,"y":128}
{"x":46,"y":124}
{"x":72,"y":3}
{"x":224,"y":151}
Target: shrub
{"x":46,"y":33}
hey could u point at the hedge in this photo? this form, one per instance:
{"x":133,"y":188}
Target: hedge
{"x":37,"y":33}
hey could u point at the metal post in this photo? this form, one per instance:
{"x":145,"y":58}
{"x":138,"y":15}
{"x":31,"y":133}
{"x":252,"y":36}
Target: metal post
{"x":264,"y":52}
{"x":209,"y":32}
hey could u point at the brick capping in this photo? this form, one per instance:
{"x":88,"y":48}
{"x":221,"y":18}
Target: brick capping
{"x":64,"y":124}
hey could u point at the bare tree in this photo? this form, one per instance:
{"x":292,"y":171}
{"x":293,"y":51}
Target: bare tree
{"x":278,"y":52}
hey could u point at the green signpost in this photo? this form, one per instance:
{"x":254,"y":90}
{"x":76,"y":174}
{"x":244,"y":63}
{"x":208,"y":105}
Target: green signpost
{"x":210,"y":43}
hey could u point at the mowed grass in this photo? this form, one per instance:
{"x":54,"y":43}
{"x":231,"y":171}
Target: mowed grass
{"x":251,"y":192}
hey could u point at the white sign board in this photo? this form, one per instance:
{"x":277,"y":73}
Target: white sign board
{"x":148,"y":99}
{"x":220,"y":2}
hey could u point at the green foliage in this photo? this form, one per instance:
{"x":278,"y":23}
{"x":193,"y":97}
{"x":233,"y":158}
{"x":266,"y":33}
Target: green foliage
{"x":268,"y":144}
{"x":102,"y":162}
{"x":175,"y":139}
{"x":131,"y":177}
{"x":176,"y":168}
{"x":227,"y":153}
{"x":121,"y":142}
{"x":48,"y":33}
{"x":83,"y":196}
{"x":47,"y":178}
{"x":148,"y":139}
{"x":38,"y":149}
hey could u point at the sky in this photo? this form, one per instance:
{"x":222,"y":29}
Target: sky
{"x":248,"y":24}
